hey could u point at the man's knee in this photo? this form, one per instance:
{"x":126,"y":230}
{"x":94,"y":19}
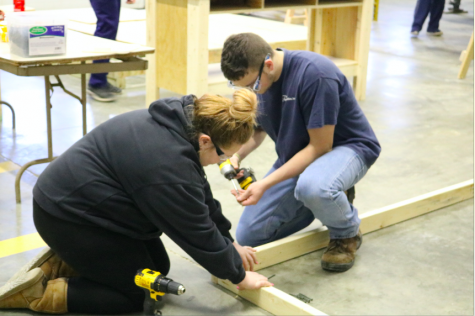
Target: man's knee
{"x":313,"y":195}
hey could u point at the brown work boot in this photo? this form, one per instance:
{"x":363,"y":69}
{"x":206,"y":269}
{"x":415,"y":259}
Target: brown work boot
{"x":32,"y":290}
{"x":52,"y":266}
{"x":340,"y":253}
{"x":350,"y":194}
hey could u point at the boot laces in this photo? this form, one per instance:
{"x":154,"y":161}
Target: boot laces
{"x":338,"y":244}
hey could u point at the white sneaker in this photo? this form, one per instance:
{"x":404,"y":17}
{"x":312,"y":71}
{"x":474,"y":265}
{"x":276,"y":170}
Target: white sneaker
{"x":415,"y":33}
{"x":436,"y":33}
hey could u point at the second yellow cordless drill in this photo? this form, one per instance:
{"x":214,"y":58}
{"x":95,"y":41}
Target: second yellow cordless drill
{"x":228,"y":171}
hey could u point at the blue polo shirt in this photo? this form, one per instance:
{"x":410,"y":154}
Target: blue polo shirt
{"x":310,"y":93}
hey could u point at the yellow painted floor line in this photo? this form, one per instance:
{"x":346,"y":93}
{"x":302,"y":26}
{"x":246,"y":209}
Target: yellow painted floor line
{"x":8,"y":166}
{"x":20,"y":244}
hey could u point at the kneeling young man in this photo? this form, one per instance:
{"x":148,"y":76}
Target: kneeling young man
{"x":324,"y":143}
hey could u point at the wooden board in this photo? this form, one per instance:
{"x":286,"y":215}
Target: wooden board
{"x":271,"y":299}
{"x":300,"y":244}
{"x":466,"y":59}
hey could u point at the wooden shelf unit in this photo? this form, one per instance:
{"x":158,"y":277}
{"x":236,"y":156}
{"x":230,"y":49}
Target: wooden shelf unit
{"x":339,"y":29}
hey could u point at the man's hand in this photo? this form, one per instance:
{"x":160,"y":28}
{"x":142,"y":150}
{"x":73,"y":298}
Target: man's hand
{"x":252,"y":195}
{"x":248,"y":256}
{"x":253,"y":281}
{"x":130,"y":1}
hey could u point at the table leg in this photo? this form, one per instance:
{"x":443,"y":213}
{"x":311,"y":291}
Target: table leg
{"x":50,"y":143}
{"x":13,"y":112}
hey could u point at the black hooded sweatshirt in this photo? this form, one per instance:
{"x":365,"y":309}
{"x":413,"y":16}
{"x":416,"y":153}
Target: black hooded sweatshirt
{"x":139,"y":174}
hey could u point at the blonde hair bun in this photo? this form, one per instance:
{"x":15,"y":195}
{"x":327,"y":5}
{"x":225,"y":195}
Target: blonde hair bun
{"x":226,"y":121}
{"x":244,"y":106}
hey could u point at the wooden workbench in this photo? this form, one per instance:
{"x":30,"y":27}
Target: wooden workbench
{"x":179,"y":31}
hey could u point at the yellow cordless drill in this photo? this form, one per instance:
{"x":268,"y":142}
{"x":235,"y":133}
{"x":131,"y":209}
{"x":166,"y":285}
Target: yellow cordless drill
{"x":228,"y":171}
{"x":155,"y":286}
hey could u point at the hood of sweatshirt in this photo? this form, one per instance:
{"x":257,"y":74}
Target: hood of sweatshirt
{"x":175,"y":114}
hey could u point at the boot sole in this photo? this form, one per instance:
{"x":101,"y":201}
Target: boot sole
{"x":37,"y":261}
{"x":333,"y":267}
{"x":21,"y":283}
{"x":340,"y":267}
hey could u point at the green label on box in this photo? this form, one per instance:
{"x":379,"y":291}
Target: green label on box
{"x":38,"y":30}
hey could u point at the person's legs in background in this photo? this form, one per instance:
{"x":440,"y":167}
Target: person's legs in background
{"x":107,"y":13}
{"x":420,"y":14}
{"x":436,"y":11}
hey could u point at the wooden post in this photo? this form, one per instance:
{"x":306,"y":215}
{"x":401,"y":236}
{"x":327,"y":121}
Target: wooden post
{"x":314,"y":37}
{"x":362,"y":47}
{"x":182,"y":45}
{"x":151,"y":88}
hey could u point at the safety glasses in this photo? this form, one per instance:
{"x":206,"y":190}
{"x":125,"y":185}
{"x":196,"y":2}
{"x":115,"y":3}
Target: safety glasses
{"x":220,"y":153}
{"x":256,"y":85}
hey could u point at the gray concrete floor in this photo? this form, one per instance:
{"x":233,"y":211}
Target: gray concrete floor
{"x":423,"y":117}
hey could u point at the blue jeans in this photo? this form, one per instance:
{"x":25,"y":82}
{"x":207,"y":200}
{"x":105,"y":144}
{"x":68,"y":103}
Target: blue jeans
{"x":107,"y":13}
{"x":293,"y":204}
{"x":423,"y":7}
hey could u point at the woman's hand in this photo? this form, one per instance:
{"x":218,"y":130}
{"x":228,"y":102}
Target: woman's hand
{"x":248,"y":256}
{"x":253,"y":281}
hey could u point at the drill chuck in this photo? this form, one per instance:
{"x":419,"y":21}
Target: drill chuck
{"x":166,"y":285}
{"x":228,"y":171}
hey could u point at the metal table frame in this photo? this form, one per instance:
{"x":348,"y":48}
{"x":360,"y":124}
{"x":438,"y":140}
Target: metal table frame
{"x":50,"y":69}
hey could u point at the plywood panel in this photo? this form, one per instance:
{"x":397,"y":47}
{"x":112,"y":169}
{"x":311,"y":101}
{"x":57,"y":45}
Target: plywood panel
{"x":345,"y":32}
{"x":339,"y":32}
{"x":327,"y":43}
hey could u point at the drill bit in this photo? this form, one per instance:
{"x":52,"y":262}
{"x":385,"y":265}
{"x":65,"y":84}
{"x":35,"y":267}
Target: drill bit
{"x":235,"y":186}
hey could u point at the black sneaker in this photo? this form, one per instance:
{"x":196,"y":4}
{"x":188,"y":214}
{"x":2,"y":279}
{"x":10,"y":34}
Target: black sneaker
{"x":113,"y":89}
{"x":102,"y":94}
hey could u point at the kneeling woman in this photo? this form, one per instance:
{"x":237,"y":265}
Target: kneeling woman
{"x":102,"y":205}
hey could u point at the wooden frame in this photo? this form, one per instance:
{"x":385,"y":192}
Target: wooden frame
{"x":271,"y":299}
{"x":280,"y":303}
{"x":466,"y":58}
{"x":297,"y":245}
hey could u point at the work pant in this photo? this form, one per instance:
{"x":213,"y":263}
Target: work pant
{"x":107,"y":13}
{"x":423,"y":7}
{"x":293,"y":204}
{"x":106,"y":262}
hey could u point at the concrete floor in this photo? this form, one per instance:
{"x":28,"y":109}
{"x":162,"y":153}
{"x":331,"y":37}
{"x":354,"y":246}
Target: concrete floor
{"x":423,"y":117}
